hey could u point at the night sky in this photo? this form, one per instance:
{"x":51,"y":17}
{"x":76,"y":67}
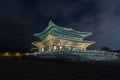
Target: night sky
{"x":20,"y":19}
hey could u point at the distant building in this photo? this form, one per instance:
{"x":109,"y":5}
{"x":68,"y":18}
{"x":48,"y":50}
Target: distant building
{"x":56,"y":38}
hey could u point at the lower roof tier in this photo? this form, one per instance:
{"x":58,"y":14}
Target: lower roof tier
{"x":56,"y":40}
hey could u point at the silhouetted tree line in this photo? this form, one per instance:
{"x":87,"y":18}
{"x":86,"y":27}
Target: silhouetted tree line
{"x":105,"y":49}
{"x":109,"y":50}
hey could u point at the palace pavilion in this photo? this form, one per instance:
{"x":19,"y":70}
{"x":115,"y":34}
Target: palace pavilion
{"x":56,"y":38}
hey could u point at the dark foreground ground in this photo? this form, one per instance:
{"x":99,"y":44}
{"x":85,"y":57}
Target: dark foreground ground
{"x":38,"y":69}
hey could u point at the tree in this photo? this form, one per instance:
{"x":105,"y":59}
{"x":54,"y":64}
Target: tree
{"x":105,"y":49}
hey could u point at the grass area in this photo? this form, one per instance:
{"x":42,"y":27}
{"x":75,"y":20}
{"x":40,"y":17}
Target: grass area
{"x":51,"y":69}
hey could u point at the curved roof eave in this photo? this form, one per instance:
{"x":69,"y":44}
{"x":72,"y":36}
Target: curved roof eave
{"x":52,"y":24}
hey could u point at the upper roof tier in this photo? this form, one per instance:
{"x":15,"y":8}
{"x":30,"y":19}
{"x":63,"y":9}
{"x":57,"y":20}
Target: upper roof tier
{"x":54,"y":29}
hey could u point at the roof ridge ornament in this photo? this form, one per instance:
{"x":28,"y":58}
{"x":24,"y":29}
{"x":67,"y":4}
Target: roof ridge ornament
{"x":51,"y":23}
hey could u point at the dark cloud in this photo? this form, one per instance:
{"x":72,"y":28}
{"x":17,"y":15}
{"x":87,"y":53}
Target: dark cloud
{"x":20,"y":19}
{"x":108,"y":23}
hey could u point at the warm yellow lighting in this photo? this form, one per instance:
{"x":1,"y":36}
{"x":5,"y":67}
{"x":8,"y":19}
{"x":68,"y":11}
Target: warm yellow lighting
{"x":6,"y":54}
{"x":26,"y":54}
{"x":61,"y":43}
{"x":17,"y":54}
{"x":42,"y":49}
{"x":55,"y":48}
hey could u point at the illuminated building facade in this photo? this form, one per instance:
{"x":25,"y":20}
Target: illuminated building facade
{"x":56,"y":38}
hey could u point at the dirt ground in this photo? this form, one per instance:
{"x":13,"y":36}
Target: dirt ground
{"x":41,"y":69}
